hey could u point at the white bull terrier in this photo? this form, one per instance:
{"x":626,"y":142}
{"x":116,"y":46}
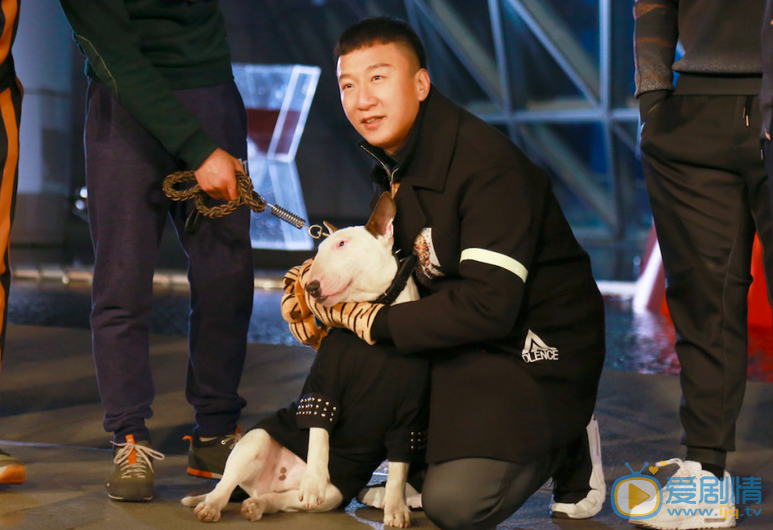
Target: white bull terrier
{"x":352,"y":264}
{"x":356,"y":264}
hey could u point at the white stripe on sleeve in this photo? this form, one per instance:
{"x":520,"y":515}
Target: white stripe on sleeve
{"x":495,"y":258}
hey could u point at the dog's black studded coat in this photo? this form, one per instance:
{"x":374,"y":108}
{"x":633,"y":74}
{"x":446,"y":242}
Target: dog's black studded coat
{"x":381,"y":409}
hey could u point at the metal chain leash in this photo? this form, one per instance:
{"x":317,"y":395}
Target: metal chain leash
{"x":247,"y":197}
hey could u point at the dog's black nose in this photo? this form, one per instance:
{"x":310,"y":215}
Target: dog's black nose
{"x":313,"y":288}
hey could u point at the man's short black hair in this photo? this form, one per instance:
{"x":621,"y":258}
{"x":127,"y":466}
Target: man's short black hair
{"x":381,"y":30}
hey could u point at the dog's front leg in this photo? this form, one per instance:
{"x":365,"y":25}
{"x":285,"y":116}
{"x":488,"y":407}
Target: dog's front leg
{"x":316,"y":477}
{"x":396,"y":511}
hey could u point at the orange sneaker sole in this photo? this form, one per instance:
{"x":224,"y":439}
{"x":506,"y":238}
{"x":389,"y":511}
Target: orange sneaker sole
{"x":203,"y":474}
{"x":12,"y":474}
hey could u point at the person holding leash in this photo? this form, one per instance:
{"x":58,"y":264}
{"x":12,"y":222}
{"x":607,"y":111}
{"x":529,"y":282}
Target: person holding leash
{"x":510,"y":315}
{"x":161,"y":98}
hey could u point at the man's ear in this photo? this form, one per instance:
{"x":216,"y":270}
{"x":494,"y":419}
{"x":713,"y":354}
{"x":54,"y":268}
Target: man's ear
{"x":423,"y":83}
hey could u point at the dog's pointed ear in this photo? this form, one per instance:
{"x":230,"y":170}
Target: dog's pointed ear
{"x":380,"y":222}
{"x":330,"y":228}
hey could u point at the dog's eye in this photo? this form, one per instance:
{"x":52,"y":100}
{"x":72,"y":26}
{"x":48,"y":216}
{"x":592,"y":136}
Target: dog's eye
{"x":341,"y":243}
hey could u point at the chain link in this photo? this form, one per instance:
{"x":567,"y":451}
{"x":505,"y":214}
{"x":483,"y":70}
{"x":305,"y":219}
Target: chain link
{"x":247,"y":195}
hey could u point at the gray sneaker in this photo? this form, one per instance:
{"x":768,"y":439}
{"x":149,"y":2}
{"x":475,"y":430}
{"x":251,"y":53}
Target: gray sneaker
{"x":132,"y":476}
{"x":207,"y":459}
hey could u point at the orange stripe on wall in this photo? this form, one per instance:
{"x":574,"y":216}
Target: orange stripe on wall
{"x":8,"y":114}
{"x":10,"y":10}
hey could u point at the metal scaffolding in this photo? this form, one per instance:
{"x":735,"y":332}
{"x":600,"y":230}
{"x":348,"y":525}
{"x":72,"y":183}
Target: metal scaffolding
{"x":556,"y":76}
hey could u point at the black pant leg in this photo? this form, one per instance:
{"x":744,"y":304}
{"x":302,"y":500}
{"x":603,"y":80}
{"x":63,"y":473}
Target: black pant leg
{"x":695,"y":149}
{"x":220,"y":273}
{"x":759,"y":193}
{"x":479,"y":493}
{"x":124,"y":169}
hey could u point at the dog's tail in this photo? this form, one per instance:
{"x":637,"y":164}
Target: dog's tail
{"x":193,"y":501}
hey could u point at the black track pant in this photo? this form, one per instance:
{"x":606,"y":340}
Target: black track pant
{"x":479,"y":493}
{"x":708,"y":190}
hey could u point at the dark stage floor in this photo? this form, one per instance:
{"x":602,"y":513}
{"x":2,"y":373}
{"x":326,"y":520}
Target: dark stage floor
{"x":50,"y":417}
{"x":50,"y":414}
{"x":636,"y":342}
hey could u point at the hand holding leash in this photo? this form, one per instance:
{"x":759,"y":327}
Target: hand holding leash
{"x":217,"y":175}
{"x":247,"y":196}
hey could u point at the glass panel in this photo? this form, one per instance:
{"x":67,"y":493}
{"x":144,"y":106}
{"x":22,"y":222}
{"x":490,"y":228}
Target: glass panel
{"x":448,"y":72}
{"x":474,"y":17}
{"x":277,"y":99}
{"x":580,"y":17}
{"x":623,"y":85}
{"x":536,"y":77}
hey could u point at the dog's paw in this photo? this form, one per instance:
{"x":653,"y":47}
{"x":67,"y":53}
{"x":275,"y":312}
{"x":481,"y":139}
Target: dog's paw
{"x":311,"y":492}
{"x":253,"y":509}
{"x":206,"y":512}
{"x":397,"y":516}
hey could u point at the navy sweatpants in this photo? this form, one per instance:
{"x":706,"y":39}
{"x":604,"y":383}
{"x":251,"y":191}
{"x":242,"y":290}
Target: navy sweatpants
{"x":125,"y":167}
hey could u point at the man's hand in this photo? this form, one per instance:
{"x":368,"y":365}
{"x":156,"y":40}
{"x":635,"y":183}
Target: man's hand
{"x":217,"y":175}
{"x":295,"y":311}
{"x":357,"y":317}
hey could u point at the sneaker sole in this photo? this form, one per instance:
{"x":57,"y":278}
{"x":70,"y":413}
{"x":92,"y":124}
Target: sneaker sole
{"x":127,"y":499}
{"x":204,"y":474}
{"x":696,"y":523}
{"x":570,"y":511}
{"x":13,"y":474}
{"x":558,"y":514}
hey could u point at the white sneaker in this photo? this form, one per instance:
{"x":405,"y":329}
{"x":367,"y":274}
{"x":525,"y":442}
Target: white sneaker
{"x":594,"y":500}
{"x":373,"y":496}
{"x":684,"y":516}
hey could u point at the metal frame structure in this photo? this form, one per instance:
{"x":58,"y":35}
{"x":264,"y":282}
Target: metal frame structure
{"x":494,"y":42}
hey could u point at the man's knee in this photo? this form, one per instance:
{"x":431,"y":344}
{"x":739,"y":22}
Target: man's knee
{"x":450,"y":507}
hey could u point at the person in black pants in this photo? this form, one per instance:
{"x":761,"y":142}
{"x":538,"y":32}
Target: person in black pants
{"x":708,"y":189}
{"x":510,"y":316}
{"x":161,"y":98}
{"x":11,"y":469}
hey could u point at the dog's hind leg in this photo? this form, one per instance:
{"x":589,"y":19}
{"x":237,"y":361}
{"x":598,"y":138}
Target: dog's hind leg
{"x":245,"y":466}
{"x":288,"y":501}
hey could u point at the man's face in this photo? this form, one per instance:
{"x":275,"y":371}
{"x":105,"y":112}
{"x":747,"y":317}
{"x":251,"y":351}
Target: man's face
{"x":381,"y":88}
